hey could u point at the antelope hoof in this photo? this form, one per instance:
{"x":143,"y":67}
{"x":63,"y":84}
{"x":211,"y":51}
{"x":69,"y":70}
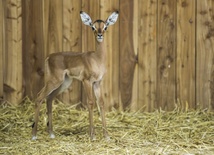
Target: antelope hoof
{"x":34,"y":138}
{"x":93,"y":138}
{"x":52,"y":136}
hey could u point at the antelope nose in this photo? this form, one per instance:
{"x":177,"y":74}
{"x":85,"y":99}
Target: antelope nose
{"x":99,"y":35}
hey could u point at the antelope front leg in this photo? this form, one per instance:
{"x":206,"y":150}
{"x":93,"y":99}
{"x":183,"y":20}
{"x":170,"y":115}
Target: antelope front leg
{"x":46,"y":92}
{"x":36,"y":119}
{"x":99,"y":97}
{"x":90,"y":102}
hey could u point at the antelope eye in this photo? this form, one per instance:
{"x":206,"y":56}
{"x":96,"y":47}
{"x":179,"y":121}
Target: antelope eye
{"x":93,"y":28}
{"x":105,"y":28}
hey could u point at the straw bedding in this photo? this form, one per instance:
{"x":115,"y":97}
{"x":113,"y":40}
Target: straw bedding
{"x":159,"y":132}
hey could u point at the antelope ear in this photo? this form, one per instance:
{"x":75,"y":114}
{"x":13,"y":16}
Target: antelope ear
{"x":112,"y":18}
{"x":86,"y":19}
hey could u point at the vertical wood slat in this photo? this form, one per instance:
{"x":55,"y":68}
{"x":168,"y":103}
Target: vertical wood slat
{"x":166,"y":54}
{"x":45,"y":25}
{"x":134,"y":99}
{"x":127,"y":54}
{"x":13,"y":54}
{"x":33,"y":47}
{"x":115,"y":56}
{"x":185,"y":66}
{"x":205,"y":54}
{"x":147,"y":55}
{"x":1,"y":47}
{"x":72,"y":42}
{"x":54,"y":41}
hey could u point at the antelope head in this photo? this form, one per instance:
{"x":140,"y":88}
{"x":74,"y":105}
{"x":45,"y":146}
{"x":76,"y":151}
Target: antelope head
{"x":99,"y":26}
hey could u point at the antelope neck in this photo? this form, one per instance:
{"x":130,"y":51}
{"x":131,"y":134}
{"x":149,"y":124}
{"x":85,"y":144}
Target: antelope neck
{"x":100,"y":50}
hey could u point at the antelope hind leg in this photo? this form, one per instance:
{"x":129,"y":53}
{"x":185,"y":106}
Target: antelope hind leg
{"x":66,"y":83}
{"x":46,"y":91}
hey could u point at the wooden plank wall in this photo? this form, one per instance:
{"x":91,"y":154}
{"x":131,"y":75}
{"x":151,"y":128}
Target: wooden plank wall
{"x":147,"y":55}
{"x":166,"y":53}
{"x":127,"y":52}
{"x":1,"y":48}
{"x":11,"y":25}
{"x":160,"y":52}
{"x":186,"y":57}
{"x":205,"y":54}
{"x":33,"y":47}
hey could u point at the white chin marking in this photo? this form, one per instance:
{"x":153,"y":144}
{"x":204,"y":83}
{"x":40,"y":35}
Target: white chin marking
{"x":100,"y":40}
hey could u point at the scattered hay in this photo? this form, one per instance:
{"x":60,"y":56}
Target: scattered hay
{"x":175,"y":132}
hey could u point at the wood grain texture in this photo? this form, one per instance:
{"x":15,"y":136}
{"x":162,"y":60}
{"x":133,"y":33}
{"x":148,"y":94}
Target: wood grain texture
{"x":1,"y":47}
{"x":127,"y":54}
{"x":185,"y":66}
{"x":13,"y":54}
{"x":33,"y":47}
{"x":54,"y":40}
{"x":159,"y":51}
{"x":134,"y":106}
{"x":147,"y":55}
{"x":166,"y":54}
{"x":205,"y":54}
{"x":115,"y":56}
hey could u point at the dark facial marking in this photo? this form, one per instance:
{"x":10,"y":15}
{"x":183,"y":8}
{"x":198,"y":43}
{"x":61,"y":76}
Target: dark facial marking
{"x":99,"y":21}
{"x":98,"y":24}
